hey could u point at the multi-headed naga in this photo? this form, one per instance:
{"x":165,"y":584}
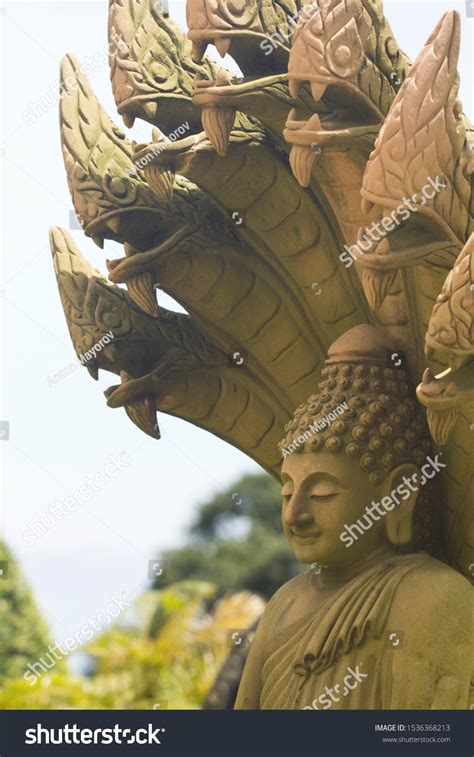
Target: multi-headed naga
{"x":314,"y":218}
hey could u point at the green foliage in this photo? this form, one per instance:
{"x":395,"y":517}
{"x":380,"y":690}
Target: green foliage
{"x":169,"y":662}
{"x":167,"y":649}
{"x":237,"y":541}
{"x":256,"y":497}
{"x":24,"y":635}
{"x":54,"y":691}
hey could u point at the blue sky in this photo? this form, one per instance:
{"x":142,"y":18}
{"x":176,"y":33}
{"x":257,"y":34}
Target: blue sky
{"x":62,"y":433}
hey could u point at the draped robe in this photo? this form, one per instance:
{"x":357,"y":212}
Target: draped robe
{"x":349,"y":638}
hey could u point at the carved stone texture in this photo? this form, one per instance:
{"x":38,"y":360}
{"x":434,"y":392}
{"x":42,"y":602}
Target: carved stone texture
{"x":151,"y":67}
{"x":166,"y":358}
{"x":421,"y":154}
{"x":279,"y":228}
{"x":348,"y":44}
{"x":357,"y":507}
{"x":451,"y":333}
{"x":228,"y":25}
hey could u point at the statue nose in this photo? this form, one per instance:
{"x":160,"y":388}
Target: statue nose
{"x":296,"y":514}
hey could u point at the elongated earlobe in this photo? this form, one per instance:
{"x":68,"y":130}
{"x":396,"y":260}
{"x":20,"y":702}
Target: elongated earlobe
{"x":400,"y":527}
{"x":399,"y":522}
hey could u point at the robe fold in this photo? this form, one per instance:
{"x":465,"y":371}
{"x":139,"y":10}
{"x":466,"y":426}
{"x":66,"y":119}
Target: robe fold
{"x":347,"y":646}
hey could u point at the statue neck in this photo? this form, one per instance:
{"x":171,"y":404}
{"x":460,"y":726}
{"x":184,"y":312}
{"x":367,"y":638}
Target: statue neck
{"x":333,"y":578}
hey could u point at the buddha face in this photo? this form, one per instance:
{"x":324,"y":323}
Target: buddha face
{"x":322,"y":492}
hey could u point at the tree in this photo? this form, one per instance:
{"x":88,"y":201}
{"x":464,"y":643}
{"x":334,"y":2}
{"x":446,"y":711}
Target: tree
{"x":24,"y":635}
{"x":164,"y":653}
{"x":236,"y":541}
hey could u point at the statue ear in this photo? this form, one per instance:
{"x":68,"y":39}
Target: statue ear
{"x":404,"y":484}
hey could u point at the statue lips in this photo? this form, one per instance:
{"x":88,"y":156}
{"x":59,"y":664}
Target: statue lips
{"x":306,"y":538}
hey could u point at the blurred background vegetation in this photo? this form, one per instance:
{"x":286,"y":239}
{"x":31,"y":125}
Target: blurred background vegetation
{"x":236,"y":541}
{"x":166,"y":651}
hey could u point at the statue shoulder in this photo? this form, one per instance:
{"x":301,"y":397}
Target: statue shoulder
{"x":435,"y":579}
{"x":286,"y":596}
{"x":291,"y":588}
{"x":433,"y":593}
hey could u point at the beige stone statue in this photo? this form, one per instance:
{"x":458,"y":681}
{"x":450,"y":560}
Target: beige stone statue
{"x":314,"y":217}
{"x":377,"y":623}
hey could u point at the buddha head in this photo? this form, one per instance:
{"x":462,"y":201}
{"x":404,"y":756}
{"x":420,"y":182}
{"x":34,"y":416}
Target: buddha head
{"x":352,"y":458}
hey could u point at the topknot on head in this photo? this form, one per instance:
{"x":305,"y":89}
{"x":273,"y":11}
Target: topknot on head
{"x":366,"y":408}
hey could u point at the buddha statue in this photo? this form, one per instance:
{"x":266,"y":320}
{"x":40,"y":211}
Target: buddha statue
{"x":379,"y":621}
{"x":318,"y":147}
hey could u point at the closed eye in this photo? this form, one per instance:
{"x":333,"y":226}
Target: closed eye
{"x":287,"y":491}
{"x":323,"y":497}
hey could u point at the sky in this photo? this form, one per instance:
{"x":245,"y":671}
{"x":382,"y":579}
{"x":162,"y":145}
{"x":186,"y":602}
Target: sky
{"x":60,"y":434}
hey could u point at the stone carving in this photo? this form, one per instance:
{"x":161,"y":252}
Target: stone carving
{"x":229,"y":24}
{"x":348,"y":44}
{"x":358,"y":611}
{"x":423,"y":137}
{"x":450,"y":332}
{"x":319,"y":230}
{"x":149,"y":58}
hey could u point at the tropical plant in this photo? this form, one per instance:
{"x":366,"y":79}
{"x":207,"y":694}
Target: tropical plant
{"x":24,"y":635}
{"x":164,"y":653}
